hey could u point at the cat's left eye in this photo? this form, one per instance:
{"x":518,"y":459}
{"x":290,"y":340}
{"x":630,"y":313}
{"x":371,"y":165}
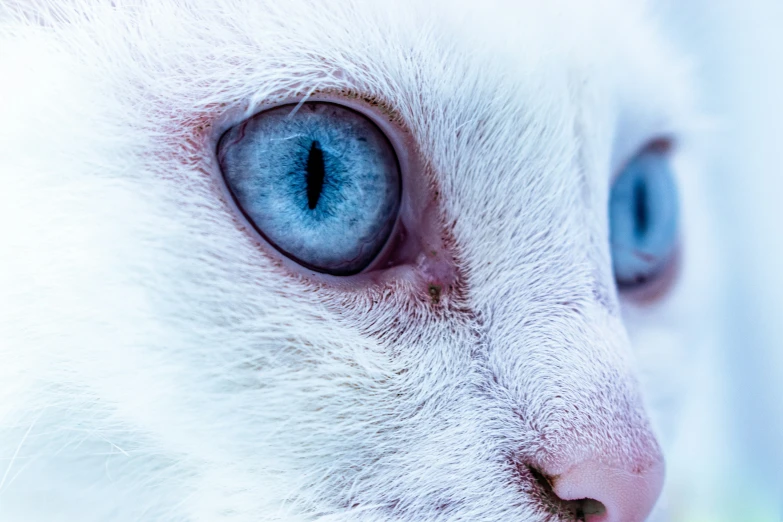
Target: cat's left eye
{"x":643,"y":219}
{"x":321,"y":182}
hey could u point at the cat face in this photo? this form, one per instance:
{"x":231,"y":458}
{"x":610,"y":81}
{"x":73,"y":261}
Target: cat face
{"x":168,"y":362}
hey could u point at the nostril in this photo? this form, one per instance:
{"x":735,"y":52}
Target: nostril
{"x":607,"y":494}
{"x":589,"y":508}
{"x":580,"y":509}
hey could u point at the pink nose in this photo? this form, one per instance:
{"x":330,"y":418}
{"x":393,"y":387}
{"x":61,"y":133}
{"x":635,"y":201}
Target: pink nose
{"x":624,"y":496}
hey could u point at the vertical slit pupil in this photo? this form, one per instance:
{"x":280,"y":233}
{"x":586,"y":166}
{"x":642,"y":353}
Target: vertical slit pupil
{"x":641,"y":209}
{"x":316,"y":171}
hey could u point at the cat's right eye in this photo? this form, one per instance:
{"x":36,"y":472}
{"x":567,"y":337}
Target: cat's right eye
{"x":321,"y":182}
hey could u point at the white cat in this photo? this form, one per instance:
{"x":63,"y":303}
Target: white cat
{"x":167,"y":357}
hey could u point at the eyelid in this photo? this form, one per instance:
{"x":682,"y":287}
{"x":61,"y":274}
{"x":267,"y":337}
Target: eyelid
{"x":664,"y":144}
{"x":658,"y":288}
{"x":378,"y":111}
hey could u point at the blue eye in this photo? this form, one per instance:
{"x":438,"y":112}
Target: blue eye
{"x":643,"y":219}
{"x":321,"y":184}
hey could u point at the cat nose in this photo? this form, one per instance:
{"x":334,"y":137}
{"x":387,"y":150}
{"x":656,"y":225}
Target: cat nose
{"x":611,"y":494}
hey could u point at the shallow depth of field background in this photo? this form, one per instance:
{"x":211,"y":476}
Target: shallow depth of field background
{"x":737,"y":48}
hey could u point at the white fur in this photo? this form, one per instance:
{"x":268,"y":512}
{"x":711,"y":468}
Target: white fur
{"x":157,"y":364}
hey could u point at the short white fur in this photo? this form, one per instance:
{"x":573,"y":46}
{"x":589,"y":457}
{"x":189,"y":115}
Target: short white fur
{"x":157,"y":365}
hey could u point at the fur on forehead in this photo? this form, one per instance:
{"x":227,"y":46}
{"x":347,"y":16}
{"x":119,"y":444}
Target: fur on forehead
{"x":201,"y":56}
{"x":161,"y":368}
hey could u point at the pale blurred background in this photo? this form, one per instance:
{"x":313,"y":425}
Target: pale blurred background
{"x":737,"y":48}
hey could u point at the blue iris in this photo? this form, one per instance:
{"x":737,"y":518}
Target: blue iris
{"x":321,"y":183}
{"x":643,"y":219}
